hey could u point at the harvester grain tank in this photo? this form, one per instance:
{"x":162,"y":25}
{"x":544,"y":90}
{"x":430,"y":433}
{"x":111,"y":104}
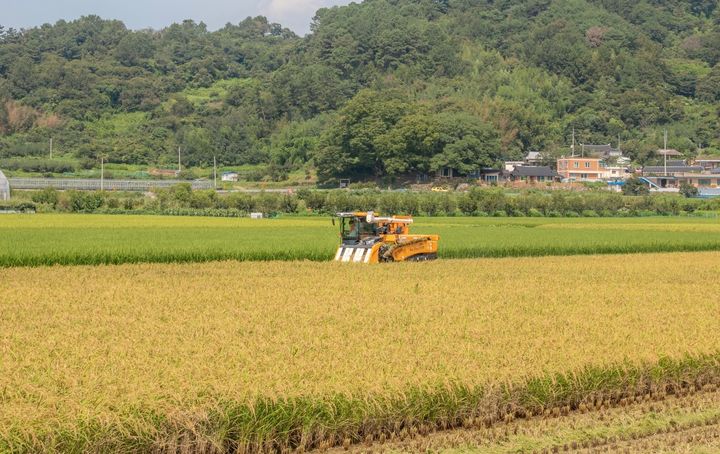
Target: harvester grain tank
{"x":367,"y":238}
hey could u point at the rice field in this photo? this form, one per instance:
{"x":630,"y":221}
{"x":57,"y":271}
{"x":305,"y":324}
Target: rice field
{"x":250,"y":356}
{"x":48,"y":239}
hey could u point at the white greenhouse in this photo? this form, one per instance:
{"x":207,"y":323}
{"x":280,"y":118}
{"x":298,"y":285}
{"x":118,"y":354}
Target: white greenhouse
{"x":4,"y":187}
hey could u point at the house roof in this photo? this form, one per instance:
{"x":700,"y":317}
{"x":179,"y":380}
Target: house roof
{"x":581,"y":158}
{"x":605,"y":150}
{"x":669,"y":152}
{"x":672,"y":169}
{"x":533,"y":155}
{"x":676,"y":163}
{"x":534,"y":171}
{"x":707,"y":159}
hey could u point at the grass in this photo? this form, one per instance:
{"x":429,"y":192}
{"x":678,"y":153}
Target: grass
{"x":50,"y":239}
{"x":225,"y":356}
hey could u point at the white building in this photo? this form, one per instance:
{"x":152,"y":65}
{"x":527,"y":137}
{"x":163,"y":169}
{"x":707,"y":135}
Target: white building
{"x":615,"y":172}
{"x":4,"y":187}
{"x":230,"y":176}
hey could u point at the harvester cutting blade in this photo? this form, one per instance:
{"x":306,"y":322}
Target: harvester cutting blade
{"x":353,"y":254}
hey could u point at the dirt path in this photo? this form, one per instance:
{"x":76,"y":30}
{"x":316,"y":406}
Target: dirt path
{"x":675,"y":424}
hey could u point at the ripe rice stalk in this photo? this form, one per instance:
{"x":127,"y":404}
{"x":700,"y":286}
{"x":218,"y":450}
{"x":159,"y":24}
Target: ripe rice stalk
{"x":241,"y":356}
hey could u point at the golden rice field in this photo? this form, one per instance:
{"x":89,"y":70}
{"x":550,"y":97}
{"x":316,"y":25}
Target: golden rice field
{"x":273,"y":355}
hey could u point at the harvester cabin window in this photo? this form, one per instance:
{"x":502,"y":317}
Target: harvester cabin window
{"x":350,"y":230}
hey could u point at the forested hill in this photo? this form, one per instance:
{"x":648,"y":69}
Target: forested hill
{"x":377,"y":89}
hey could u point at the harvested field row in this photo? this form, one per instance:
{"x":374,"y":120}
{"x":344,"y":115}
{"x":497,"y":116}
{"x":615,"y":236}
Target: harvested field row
{"x":656,"y":424}
{"x":274,"y":354}
{"x":95,"y":239}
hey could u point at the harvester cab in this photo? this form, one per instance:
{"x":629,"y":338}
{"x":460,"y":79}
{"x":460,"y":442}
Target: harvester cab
{"x":367,"y":238}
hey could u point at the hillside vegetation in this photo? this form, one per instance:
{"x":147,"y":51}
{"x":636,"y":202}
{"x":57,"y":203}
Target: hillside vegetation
{"x":378,"y":89}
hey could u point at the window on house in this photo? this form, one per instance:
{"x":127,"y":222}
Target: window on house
{"x":587,"y":165}
{"x":577,"y":164}
{"x":704,"y":182}
{"x":584,"y":176}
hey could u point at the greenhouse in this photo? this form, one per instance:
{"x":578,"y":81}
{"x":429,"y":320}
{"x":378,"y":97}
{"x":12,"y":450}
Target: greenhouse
{"x":4,"y":187}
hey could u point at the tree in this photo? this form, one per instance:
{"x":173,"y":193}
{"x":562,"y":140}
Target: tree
{"x":355,"y":141}
{"x":635,"y":186}
{"x":708,"y":88}
{"x":134,"y":48}
{"x":688,"y":190}
{"x":465,"y":144}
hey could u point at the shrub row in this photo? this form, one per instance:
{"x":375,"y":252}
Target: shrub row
{"x":37,"y":165}
{"x":23,"y":207}
{"x":477,"y":202}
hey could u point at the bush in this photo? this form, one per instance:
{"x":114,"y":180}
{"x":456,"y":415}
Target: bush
{"x":634,"y":186}
{"x":38,"y":165}
{"x":23,"y":207}
{"x":187,"y":174}
{"x":48,"y":196}
{"x":689,"y":190}
{"x":477,"y":202}
{"x":85,"y":202}
{"x":534,"y":212}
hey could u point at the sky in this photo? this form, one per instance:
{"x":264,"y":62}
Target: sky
{"x":139,"y":14}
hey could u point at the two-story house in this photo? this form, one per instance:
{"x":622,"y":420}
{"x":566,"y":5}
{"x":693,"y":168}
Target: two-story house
{"x":580,"y":169}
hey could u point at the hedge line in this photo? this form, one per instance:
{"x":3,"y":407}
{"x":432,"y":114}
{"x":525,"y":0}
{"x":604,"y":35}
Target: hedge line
{"x":476,"y":202}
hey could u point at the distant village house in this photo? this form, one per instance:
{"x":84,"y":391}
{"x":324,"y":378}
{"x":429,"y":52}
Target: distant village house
{"x":230,"y":176}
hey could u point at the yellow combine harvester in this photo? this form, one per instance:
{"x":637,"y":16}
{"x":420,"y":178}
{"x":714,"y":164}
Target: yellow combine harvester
{"x":367,"y":238}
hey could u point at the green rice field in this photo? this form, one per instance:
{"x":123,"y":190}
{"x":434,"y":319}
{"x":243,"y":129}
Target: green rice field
{"x":49,"y":239}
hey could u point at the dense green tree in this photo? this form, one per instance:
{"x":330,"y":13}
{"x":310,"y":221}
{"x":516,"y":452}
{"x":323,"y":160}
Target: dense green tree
{"x":379,"y":88}
{"x":708,"y":88}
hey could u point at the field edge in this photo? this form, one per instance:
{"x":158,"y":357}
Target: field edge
{"x":306,"y":423}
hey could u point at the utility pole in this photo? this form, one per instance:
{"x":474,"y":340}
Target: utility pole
{"x":51,"y":140}
{"x":573,"y":144}
{"x":215,"y":171}
{"x":665,"y":152}
{"x":102,"y":173}
{"x":179,"y":161}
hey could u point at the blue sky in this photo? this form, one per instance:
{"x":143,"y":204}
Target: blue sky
{"x":137,"y":14}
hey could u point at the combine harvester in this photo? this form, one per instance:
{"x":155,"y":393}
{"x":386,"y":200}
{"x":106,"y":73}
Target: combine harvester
{"x":367,"y":238}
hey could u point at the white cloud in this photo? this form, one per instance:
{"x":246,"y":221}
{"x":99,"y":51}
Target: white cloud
{"x":295,"y":14}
